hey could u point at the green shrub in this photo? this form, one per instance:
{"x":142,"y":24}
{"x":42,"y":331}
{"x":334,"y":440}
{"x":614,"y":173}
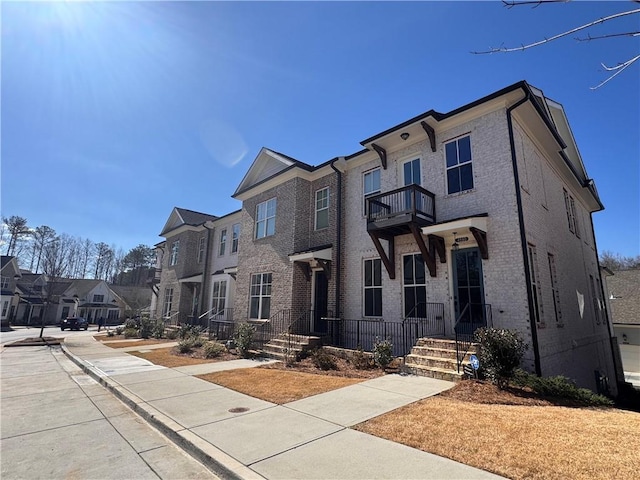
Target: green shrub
{"x":560,"y":387}
{"x":119,"y":330}
{"x":130,"y":333}
{"x":186,"y":345}
{"x":323,"y":359}
{"x":157,"y":330}
{"x":382,"y":353}
{"x":197,"y":341}
{"x":500,"y":353}
{"x":213,"y":349}
{"x":186,"y":331}
{"x":244,"y":338}
{"x":111,"y":333}
{"x":130,"y":323}
{"x":172,"y":334}
{"x":146,"y":327}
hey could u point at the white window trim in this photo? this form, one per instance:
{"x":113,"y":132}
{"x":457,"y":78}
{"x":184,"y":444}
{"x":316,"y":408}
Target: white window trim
{"x":401,"y":164}
{"x":366,"y":194}
{"x":371,"y":287}
{"x":235,"y":239}
{"x":413,"y":284}
{"x":534,"y":278}
{"x":317,"y":210}
{"x":173,"y":256}
{"x":167,"y":302}
{"x":201,"y":249}
{"x":222,"y":244}
{"x":260,"y":296}
{"x":555,"y":292}
{"x":266,"y":219}
{"x":458,"y":165}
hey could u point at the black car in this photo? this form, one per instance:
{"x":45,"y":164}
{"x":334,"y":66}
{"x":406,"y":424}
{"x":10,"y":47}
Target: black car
{"x":74,"y":323}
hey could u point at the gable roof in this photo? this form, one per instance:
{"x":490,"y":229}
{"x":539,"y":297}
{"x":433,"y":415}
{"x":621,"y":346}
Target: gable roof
{"x":9,"y":263}
{"x":624,"y":293}
{"x":182,"y":216}
{"x":267,"y":164}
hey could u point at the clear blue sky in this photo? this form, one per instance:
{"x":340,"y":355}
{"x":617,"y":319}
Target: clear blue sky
{"x":113,"y":113}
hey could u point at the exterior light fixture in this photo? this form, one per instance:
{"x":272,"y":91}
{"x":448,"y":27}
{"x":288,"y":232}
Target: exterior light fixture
{"x":404,"y":135}
{"x":454,"y":245}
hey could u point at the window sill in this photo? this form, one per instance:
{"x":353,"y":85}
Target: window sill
{"x":459,"y":194}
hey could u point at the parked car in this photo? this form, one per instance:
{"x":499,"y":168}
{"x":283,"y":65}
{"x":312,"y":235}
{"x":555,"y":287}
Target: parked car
{"x":74,"y":323}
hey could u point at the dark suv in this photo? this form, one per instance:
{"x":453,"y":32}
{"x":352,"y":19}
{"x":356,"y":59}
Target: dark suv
{"x":74,"y":323}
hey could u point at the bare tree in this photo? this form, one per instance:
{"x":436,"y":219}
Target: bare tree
{"x":615,"y":261}
{"x":613,"y":70}
{"x":86,"y":251}
{"x":18,"y":230}
{"x":103,"y":258}
{"x":40,"y":237}
{"x":55,"y":265}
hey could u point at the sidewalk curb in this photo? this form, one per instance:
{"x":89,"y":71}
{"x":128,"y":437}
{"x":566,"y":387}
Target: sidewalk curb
{"x":211,"y":457}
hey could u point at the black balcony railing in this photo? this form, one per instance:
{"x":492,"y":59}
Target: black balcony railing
{"x":412,"y":201}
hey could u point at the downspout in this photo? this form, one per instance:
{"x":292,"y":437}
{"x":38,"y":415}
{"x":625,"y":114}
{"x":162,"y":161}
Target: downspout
{"x":204,"y":270}
{"x":338,"y":268}
{"x":523,"y":238}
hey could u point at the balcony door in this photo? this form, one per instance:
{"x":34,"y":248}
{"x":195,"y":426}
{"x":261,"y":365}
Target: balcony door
{"x":411,"y":176}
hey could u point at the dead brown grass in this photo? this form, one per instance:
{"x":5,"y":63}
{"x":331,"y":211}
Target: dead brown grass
{"x":520,"y":436}
{"x":168,"y":357}
{"x":135,"y":343}
{"x":291,"y":385}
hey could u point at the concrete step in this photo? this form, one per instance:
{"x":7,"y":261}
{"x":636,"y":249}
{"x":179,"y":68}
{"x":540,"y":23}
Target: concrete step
{"x":438,"y":352}
{"x":433,"y":372}
{"x":438,"y":362}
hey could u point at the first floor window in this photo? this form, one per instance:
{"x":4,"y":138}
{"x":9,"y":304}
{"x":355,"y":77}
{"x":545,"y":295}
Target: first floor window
{"x":260,"y":296}
{"x":266,"y":218}
{"x":555,"y":292}
{"x":223,"y":242}
{"x":168,"y":301}
{"x":373,"y":288}
{"x":595,"y":300}
{"x":218,"y":297}
{"x":534,"y":278}
{"x":459,"y":166}
{"x":5,"y":307}
{"x":113,"y":314}
{"x":415,"y":286}
{"x":322,"y":208}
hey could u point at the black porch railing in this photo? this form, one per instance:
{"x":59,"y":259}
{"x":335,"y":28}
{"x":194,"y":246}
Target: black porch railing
{"x":220,"y":325}
{"x":412,"y":199}
{"x":354,"y":334}
{"x":472,"y":317}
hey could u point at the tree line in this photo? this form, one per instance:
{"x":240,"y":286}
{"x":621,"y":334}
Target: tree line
{"x":43,"y":250}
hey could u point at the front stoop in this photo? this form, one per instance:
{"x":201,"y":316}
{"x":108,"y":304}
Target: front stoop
{"x":436,"y":358}
{"x":278,"y":348}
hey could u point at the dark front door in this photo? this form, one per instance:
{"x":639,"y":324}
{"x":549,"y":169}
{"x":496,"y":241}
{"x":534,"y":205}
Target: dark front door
{"x":468,"y":289}
{"x":320,"y":297}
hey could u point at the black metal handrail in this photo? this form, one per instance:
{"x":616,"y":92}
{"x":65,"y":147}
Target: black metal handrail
{"x":412,"y":199}
{"x":472,"y":317}
{"x":428,"y":319}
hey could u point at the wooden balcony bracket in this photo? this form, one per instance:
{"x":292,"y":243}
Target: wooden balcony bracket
{"x":427,"y":256}
{"x":481,"y":238}
{"x":326,"y":266}
{"x":431,"y":133}
{"x":306,"y":269}
{"x":436,"y":243}
{"x":382,"y":153}
{"x":387,"y":260}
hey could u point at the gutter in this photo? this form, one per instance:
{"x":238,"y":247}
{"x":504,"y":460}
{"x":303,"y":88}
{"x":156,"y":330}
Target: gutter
{"x":336,"y":313}
{"x":523,"y":238}
{"x":204,"y":269}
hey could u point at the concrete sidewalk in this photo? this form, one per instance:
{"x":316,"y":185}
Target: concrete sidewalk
{"x":238,"y":436}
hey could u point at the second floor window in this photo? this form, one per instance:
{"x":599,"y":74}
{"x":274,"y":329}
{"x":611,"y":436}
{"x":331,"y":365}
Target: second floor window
{"x":235,"y":237}
{"x":223,"y":242}
{"x":322,"y":208}
{"x":370,"y":184}
{"x":201,"y":249}
{"x":572,"y":219}
{"x":175,"y":246}
{"x":459,"y":168}
{"x":266,"y":218}
{"x":4,"y":283}
{"x":534,"y":279}
{"x":98,"y":298}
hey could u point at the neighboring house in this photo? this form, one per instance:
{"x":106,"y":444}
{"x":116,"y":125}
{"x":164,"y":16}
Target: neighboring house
{"x":9,"y":275}
{"x":137,"y":299}
{"x":440,"y":225}
{"x":55,"y":299}
{"x":182,"y":261}
{"x":623,"y":287}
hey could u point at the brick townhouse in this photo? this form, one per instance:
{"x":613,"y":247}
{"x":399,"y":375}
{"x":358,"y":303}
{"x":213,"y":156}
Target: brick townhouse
{"x":438,"y":225}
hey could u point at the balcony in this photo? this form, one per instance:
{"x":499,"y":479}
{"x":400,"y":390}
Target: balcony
{"x":402,"y":211}
{"x":395,"y":212}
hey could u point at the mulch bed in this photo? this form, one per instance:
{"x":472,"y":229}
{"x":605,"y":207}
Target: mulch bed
{"x":345,"y":369}
{"x":35,"y":342}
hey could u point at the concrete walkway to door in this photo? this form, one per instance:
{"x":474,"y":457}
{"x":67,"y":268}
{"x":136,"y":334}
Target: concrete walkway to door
{"x":238,"y":436}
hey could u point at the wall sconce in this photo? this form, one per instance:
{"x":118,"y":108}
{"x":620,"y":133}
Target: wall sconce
{"x":454,"y":245}
{"x":404,"y":135}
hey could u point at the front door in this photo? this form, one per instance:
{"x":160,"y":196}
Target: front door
{"x":468,"y":289}
{"x":320,"y":298}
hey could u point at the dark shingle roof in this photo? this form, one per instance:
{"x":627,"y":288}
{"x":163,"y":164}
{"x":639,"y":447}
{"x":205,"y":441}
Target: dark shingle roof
{"x":624,"y":296}
{"x":191,"y":217}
